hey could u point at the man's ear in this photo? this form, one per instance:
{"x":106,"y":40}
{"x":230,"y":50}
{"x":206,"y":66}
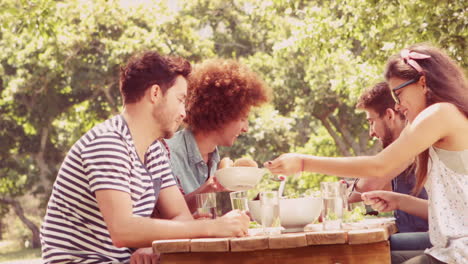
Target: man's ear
{"x":155,"y":93}
{"x":390,"y":114}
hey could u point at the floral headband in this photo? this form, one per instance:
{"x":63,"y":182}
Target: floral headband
{"x":410,"y":57}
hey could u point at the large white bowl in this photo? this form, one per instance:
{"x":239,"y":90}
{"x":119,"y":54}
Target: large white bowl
{"x":239,"y":178}
{"x":295,"y":213}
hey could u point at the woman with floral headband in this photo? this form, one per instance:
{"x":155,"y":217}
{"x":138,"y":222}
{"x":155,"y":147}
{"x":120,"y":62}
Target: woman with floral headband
{"x":431,"y":90}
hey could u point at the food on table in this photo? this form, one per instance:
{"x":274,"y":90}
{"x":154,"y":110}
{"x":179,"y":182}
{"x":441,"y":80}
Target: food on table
{"x":356,"y":215}
{"x":225,"y":162}
{"x":245,"y":162}
{"x":294,"y":214}
{"x":254,"y":224}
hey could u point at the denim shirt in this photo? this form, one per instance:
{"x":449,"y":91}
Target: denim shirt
{"x":187,"y":163}
{"x":405,"y":222}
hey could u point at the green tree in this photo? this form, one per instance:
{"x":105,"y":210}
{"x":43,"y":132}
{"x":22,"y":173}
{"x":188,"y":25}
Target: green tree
{"x":59,"y":67}
{"x":60,"y":61}
{"x":338,"y":48}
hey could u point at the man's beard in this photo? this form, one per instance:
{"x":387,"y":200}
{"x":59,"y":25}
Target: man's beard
{"x":387,"y":138}
{"x":167,"y":128}
{"x":167,"y":134}
{"x":165,"y":124}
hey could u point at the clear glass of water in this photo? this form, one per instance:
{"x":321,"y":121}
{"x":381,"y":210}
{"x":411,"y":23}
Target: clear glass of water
{"x":269,"y":204}
{"x":239,"y":201}
{"x":206,"y":204}
{"x":333,"y":205}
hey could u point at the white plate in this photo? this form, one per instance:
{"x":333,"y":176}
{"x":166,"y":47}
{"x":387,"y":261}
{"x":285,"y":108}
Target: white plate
{"x":369,"y":223}
{"x":259,"y":231}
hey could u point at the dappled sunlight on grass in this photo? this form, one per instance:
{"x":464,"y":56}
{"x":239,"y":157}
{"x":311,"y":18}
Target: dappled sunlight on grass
{"x":10,"y":251}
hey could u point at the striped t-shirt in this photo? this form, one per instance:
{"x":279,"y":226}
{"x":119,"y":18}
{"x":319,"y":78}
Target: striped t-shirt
{"x":104,"y":158}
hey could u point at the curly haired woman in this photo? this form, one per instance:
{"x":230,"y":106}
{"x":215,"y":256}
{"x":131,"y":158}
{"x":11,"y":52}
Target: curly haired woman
{"x":221,"y":95}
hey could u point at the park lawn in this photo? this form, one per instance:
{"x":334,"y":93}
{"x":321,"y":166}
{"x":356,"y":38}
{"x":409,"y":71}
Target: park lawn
{"x":11,"y":251}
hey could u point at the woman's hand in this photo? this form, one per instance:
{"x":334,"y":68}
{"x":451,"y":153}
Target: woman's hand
{"x":383,"y":201}
{"x":287,"y":164}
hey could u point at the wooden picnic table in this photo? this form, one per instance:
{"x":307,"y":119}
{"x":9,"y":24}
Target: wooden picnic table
{"x":342,"y":246}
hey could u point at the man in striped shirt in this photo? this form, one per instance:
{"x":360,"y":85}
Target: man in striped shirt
{"x":117,"y":173}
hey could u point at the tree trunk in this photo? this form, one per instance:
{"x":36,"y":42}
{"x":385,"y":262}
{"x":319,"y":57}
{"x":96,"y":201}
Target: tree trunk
{"x":36,"y":241}
{"x":108,"y":94}
{"x":44,"y":184}
{"x":346,"y":135}
{"x":338,"y":140}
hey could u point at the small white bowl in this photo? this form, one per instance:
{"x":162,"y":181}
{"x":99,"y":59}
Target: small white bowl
{"x":239,"y":178}
{"x":295,"y":213}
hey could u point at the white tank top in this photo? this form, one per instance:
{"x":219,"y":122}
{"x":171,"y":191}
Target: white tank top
{"x":454,"y":160}
{"x":448,"y":209}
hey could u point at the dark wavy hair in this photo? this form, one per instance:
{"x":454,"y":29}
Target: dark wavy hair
{"x":150,"y":68}
{"x":445,"y":82}
{"x":221,"y":91}
{"x":377,"y":98}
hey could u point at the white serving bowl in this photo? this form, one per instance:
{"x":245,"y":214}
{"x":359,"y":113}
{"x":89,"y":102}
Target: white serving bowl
{"x":239,"y":178}
{"x":295,"y":213}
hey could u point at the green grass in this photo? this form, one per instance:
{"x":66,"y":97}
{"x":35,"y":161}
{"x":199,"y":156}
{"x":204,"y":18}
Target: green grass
{"x":13,"y":251}
{"x":28,"y":253}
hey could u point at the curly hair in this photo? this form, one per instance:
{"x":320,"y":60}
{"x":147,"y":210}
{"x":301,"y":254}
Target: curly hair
{"x":377,"y":98}
{"x":150,"y":68}
{"x":221,"y":91}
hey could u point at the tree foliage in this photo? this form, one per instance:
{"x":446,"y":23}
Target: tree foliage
{"x":60,"y":61}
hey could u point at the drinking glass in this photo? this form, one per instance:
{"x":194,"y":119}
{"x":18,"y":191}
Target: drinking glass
{"x":344,"y":195}
{"x":346,"y":192}
{"x":333,"y":205}
{"x":269,"y":204}
{"x":239,"y":201}
{"x":206,"y":204}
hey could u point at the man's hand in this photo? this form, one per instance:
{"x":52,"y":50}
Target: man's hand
{"x":211,"y":185}
{"x":144,"y":256}
{"x":382,"y":201}
{"x":233,"y":224}
{"x":199,"y":216}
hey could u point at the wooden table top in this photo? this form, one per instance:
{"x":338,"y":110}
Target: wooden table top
{"x":287,"y":240}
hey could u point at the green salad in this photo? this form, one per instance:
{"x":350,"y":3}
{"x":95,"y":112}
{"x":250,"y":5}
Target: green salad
{"x":254,"y":224}
{"x":356,"y":215}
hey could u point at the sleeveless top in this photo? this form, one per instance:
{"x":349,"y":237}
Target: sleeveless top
{"x":455,"y":160}
{"x":448,"y":206}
